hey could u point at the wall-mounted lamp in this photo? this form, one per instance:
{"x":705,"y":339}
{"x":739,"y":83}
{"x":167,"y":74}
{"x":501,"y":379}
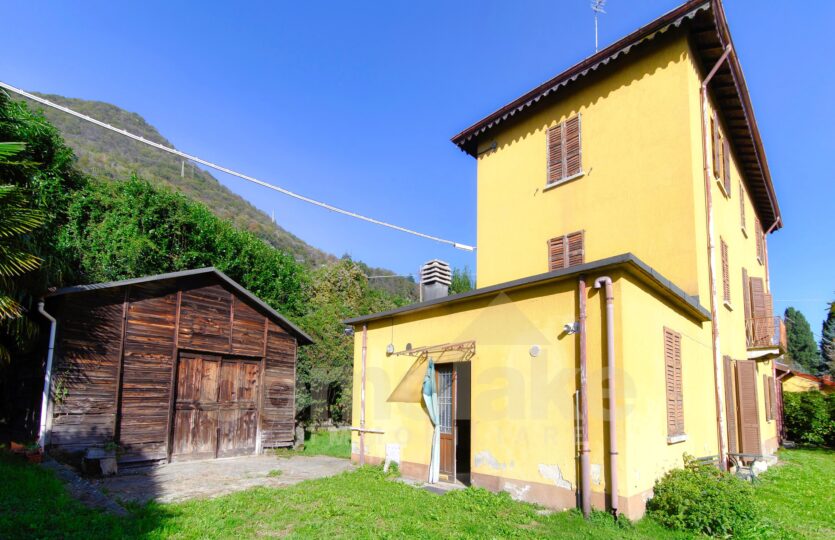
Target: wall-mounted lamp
{"x":534,"y":351}
{"x":349,"y":331}
{"x":571,"y":328}
{"x":390,"y":349}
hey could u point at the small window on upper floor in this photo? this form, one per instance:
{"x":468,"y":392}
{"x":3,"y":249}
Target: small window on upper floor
{"x":564,"y":152}
{"x":565,"y":251}
{"x":721,"y":157}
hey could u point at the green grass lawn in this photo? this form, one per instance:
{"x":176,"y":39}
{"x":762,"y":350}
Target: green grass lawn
{"x":328,"y":443}
{"x":367,"y":504}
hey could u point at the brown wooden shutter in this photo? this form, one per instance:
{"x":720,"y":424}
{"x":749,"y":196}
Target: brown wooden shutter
{"x":749,"y":420}
{"x":726,"y":276}
{"x":726,"y":166}
{"x":575,"y":248}
{"x":772,"y":391}
{"x":556,"y":253}
{"x":741,"y":206}
{"x":556,"y":168}
{"x":758,"y":232}
{"x":759,"y":311}
{"x":573,"y":164}
{"x":565,"y":251}
{"x":746,"y":294}
{"x":673,"y":382}
{"x":714,"y":128}
{"x":730,"y":406}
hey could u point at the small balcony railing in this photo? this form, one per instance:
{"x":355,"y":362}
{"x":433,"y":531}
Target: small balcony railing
{"x":766,"y":333}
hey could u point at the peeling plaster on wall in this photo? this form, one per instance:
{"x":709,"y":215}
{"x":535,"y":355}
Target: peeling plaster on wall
{"x":553,"y":472}
{"x":596,"y":473}
{"x":517,"y":493}
{"x":486,"y":458}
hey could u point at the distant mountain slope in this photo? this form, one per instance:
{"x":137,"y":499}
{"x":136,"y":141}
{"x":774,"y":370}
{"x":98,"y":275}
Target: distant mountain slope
{"x":104,"y":154}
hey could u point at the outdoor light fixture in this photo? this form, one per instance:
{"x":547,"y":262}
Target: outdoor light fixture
{"x":534,"y":350}
{"x":390,"y":349}
{"x":571,"y":328}
{"x":349,"y":331}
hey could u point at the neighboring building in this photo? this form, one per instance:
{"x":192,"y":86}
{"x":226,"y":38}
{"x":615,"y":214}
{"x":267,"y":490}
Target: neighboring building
{"x":797,"y":381}
{"x":185,"y":365}
{"x":600,"y":172}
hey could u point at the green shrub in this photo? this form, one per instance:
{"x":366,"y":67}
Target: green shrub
{"x":702,"y":499}
{"x":810,"y":417}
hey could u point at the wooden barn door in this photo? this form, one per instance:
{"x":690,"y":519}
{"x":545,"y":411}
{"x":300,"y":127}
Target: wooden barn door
{"x":215,"y":412}
{"x":446,"y":408}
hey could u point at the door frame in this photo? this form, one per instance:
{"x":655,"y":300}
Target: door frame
{"x":450,"y":367}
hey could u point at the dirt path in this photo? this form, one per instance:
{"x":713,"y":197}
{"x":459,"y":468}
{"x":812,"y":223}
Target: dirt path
{"x":186,"y":480}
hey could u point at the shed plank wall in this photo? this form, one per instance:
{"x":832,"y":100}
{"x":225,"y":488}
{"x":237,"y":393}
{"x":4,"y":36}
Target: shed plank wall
{"x":212,"y":319}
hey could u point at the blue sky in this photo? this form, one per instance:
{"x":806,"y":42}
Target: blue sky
{"x":354,"y":103}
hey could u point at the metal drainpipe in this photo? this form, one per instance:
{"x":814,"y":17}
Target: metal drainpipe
{"x":362,"y":394}
{"x":585,"y":451}
{"x":47,"y":383}
{"x":711,"y":249}
{"x":610,"y":374}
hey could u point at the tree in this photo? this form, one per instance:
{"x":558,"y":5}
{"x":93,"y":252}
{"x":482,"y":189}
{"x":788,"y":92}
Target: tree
{"x":802,"y":348}
{"x":828,"y":341}
{"x":462,"y":281}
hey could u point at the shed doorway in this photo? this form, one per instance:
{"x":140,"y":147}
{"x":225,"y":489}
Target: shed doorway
{"x":453,"y":384}
{"x":216,"y":408}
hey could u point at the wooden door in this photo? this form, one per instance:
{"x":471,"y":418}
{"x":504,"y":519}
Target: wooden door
{"x":216,"y":409}
{"x":195,"y":411}
{"x":445,"y":376}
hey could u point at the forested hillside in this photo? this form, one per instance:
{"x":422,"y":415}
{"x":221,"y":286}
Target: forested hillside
{"x":106,"y":155}
{"x":89,"y":230}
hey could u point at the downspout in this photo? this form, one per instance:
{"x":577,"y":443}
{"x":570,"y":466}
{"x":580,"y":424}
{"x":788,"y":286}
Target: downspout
{"x":47,"y":383}
{"x":585,"y":470}
{"x":610,"y":374}
{"x":362,"y":394}
{"x":711,"y":249}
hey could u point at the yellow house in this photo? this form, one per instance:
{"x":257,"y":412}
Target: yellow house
{"x":622,"y":315}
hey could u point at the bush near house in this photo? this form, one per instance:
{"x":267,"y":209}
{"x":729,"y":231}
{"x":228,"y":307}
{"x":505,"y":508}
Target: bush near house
{"x":702,"y":499}
{"x":810,"y":417}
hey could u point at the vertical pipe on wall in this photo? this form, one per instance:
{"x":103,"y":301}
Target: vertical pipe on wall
{"x":47,"y":381}
{"x":721,"y":433}
{"x":585,"y":451}
{"x":362,"y":394}
{"x":610,"y":375}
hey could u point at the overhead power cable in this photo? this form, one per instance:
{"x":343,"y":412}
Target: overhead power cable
{"x":226,"y":170}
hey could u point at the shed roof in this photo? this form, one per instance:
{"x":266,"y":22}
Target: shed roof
{"x":276,"y":317}
{"x":627,"y":261}
{"x":705,"y":22}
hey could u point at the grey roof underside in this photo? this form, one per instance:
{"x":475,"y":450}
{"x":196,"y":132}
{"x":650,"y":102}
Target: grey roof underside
{"x":302,"y":337}
{"x":627,"y":260}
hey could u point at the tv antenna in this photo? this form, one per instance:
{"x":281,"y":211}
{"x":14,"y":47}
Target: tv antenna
{"x":597,"y":6}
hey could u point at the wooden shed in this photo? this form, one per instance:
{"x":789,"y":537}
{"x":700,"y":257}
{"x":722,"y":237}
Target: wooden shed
{"x":186,"y":365}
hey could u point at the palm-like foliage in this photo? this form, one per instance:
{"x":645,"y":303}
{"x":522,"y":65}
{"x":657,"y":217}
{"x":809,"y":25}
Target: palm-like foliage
{"x":17,"y":219}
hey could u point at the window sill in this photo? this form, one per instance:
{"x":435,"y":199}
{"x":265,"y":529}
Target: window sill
{"x":728,"y":305}
{"x":674,"y":439}
{"x":563,"y":181}
{"x":744,"y":232}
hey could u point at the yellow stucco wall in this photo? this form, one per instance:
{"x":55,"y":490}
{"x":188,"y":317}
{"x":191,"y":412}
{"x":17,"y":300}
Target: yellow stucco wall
{"x":523,"y":408}
{"x":634,"y":196}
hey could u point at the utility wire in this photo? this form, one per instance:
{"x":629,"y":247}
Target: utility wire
{"x":226,"y":170}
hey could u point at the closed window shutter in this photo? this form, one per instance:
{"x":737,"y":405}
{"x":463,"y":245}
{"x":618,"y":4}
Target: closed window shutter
{"x":575,"y":248}
{"x":746,"y":295}
{"x":566,"y":251}
{"x":726,"y":166}
{"x":573,"y":156}
{"x":746,"y":371}
{"x":772,"y":397}
{"x":741,"y":206}
{"x":759,"y":311}
{"x":726,"y":279}
{"x":556,"y":168}
{"x":758,"y":232}
{"x":673,"y":383}
{"x":714,"y":128}
{"x":730,"y":406}
{"x":556,"y":253}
